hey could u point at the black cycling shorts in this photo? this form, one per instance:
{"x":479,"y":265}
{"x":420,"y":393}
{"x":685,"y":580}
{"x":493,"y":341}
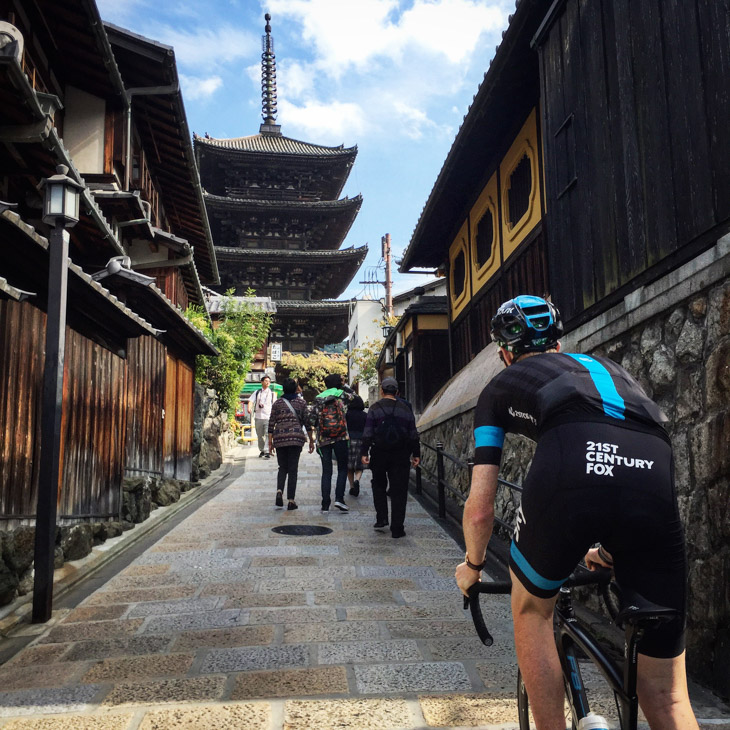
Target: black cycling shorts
{"x":597,"y":482}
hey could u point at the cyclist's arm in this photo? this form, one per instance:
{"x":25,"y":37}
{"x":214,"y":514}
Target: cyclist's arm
{"x":477,"y":521}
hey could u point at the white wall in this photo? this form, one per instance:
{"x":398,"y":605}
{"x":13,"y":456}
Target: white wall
{"x":83,"y":130}
{"x":363,"y":326}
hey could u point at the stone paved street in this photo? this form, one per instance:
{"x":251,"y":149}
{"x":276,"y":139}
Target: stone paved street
{"x":224,"y":623}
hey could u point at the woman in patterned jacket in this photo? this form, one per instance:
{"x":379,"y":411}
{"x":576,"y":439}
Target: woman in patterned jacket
{"x":286,"y":439}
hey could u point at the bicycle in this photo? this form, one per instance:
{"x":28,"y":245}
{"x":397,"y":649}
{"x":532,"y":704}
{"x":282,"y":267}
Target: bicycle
{"x":572,"y":639}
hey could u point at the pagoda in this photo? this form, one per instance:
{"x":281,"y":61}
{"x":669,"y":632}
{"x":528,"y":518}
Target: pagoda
{"x":278,"y":223}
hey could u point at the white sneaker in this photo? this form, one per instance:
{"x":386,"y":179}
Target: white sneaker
{"x":342,"y":506}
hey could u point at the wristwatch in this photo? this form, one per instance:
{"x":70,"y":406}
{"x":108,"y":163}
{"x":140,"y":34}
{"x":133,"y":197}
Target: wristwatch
{"x":472,"y":566}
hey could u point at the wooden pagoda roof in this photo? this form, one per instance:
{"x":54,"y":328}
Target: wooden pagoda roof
{"x":334,"y":269}
{"x":277,"y":145}
{"x":162,"y":124}
{"x":327,"y":221}
{"x":324,"y":321}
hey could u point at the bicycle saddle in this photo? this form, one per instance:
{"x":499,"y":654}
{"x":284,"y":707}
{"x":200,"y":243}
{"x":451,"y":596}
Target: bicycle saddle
{"x":637,"y":609}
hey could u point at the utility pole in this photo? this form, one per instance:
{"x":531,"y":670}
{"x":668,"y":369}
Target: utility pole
{"x":388,"y":283}
{"x":385,"y":241}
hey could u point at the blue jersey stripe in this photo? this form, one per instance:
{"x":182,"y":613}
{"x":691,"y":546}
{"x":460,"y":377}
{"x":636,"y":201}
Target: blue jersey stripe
{"x":613,"y":403}
{"x":489,"y":436}
{"x":530,"y":573}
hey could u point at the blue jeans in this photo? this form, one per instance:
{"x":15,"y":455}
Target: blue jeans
{"x":340,"y":450}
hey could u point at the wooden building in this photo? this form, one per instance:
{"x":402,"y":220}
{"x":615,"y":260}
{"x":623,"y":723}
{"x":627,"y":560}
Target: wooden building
{"x":593,"y":167}
{"x":278,"y":224}
{"x":106,"y":104}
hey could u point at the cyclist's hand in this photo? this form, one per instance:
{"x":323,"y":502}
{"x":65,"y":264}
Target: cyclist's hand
{"x":594,"y":561}
{"x":466,"y":577}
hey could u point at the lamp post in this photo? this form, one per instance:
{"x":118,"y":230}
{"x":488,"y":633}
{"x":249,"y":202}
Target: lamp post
{"x":387,"y":329}
{"x":60,"y":211}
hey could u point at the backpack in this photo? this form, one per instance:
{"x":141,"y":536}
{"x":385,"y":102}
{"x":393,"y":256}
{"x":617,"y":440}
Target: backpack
{"x":331,"y":421}
{"x":389,"y":434}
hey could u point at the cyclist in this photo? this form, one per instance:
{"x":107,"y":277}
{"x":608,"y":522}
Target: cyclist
{"x":602,"y":472}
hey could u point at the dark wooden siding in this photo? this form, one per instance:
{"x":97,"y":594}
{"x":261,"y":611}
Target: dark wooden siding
{"x":636,"y":120}
{"x":524,"y":273}
{"x":92,"y":428}
{"x":178,"y":434}
{"x":22,"y":329}
{"x":145,"y":402}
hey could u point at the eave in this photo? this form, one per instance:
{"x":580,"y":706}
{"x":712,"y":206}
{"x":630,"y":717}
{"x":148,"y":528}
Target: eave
{"x":162,"y":124}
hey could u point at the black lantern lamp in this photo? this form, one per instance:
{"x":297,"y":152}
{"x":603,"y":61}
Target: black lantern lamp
{"x":60,"y":212}
{"x":387,"y":329}
{"x":61,"y":201}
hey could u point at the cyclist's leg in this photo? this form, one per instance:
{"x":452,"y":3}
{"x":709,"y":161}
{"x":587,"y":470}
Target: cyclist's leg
{"x":663,"y":696}
{"x":537,"y":655}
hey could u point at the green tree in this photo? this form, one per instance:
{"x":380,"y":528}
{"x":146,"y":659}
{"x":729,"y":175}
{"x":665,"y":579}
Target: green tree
{"x":365,"y":357}
{"x":310,"y":370}
{"x":241,"y":332}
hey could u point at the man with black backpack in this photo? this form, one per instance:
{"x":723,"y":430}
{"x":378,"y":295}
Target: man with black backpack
{"x":390,"y":445}
{"x":329,"y":419}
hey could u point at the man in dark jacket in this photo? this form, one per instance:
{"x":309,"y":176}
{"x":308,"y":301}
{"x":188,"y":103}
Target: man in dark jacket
{"x":390,"y":446}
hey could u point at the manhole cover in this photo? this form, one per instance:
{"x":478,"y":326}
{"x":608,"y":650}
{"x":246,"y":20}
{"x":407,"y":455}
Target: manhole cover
{"x":302,"y":530}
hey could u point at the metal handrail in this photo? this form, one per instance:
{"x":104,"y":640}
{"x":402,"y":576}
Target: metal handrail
{"x":443,"y":486}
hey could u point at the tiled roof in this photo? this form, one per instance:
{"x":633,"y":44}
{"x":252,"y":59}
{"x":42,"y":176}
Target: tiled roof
{"x":251,"y":203}
{"x":260,"y":254}
{"x":215,"y":303}
{"x":275,"y":144}
{"x":287,"y":306}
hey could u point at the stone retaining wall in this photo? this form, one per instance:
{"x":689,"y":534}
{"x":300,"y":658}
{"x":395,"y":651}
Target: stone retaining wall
{"x":681,"y":356}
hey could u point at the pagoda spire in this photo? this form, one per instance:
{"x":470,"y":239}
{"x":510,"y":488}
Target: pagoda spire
{"x":268,"y":82}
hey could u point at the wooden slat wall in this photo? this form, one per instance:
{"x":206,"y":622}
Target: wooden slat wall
{"x":145,"y":402}
{"x":635,"y":103}
{"x":22,"y":331}
{"x":93,"y":429}
{"x":178,"y":435}
{"x":93,"y":423}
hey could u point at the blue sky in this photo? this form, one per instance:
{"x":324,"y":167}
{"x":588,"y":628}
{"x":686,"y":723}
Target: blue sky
{"x":394,"y":77}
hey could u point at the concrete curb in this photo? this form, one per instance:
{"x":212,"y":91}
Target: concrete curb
{"x":71,"y":573}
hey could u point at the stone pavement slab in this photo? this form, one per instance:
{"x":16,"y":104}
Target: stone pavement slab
{"x":223,"y":623}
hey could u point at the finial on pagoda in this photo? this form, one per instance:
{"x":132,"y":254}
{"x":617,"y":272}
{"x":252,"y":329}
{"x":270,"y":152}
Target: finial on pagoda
{"x":268,"y":82}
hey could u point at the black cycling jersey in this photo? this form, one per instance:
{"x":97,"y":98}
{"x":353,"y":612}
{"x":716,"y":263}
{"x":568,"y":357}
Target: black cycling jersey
{"x":545,"y":390}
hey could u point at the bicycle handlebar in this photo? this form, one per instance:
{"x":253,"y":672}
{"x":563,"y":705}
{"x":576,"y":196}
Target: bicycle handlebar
{"x":597,"y":577}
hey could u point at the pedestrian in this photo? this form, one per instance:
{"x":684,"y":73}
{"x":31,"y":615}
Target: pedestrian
{"x":390,"y":446}
{"x":289,"y":418}
{"x":602,"y":471}
{"x":260,"y":404}
{"x":355,"y":426}
{"x":329,"y":419}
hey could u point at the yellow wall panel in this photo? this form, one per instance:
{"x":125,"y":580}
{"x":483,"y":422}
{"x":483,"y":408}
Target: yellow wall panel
{"x":458,"y":249}
{"x":487,"y":203}
{"x":433,"y":322}
{"x":525,"y":144}
{"x":408,"y":329}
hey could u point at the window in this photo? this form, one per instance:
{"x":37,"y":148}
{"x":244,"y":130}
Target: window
{"x":485,"y":238}
{"x":458,"y":276}
{"x":520,"y":187}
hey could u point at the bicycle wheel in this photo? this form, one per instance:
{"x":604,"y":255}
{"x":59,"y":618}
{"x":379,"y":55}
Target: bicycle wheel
{"x":523,"y":707}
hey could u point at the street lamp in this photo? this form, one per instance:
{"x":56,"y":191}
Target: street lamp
{"x":60,"y":211}
{"x":387,"y":329}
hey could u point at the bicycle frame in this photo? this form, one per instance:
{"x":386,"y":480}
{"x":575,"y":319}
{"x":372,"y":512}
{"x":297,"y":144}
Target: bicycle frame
{"x":569,"y":636}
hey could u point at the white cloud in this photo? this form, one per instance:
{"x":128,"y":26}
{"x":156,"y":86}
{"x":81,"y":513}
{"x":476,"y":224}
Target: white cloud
{"x":119,"y":12}
{"x":207,"y":48}
{"x":196,"y":88}
{"x":333,"y":123}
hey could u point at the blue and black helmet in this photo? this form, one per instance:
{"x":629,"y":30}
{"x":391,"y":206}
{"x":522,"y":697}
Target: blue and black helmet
{"x":527,"y":324}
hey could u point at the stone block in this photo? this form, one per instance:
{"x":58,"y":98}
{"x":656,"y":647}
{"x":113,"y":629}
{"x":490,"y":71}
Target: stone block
{"x":251,"y":658}
{"x":8,"y":584}
{"x":113,"y":529}
{"x":673,"y":326}
{"x":290,"y":683}
{"x":348,"y":714}
{"x":709,"y":442}
{"x":353,"y":652}
{"x":493,"y":709}
{"x":118,"y":646}
{"x":117,"y":721}
{"x":717,"y":376}
{"x":689,"y":396}
{"x":51,"y":701}
{"x":165,"y":491}
{"x":139,"y":667}
{"x":167,"y":691}
{"x":18,"y":549}
{"x":690,"y":343}
{"x":421,"y":677}
{"x":663,"y":369}
{"x":76,"y":541}
{"x":225,"y":638}
{"x":718,"y":314}
{"x":136,"y":499}
{"x":251,"y":716}
{"x":651,"y":337}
